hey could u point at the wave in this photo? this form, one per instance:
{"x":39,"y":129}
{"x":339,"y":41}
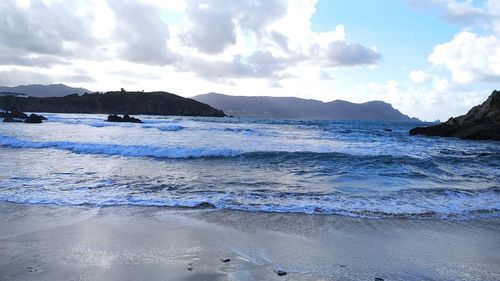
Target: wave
{"x":411,"y":203}
{"x":348,"y":156}
{"x":164,"y":128}
{"x":120,"y":150}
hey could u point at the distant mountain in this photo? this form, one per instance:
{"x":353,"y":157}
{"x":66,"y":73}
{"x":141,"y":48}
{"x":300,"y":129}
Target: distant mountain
{"x":37,"y":90}
{"x":152,"y":103}
{"x":290,"y":107}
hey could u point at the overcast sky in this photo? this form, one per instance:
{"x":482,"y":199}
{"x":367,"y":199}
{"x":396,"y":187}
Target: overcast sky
{"x":429,"y":58}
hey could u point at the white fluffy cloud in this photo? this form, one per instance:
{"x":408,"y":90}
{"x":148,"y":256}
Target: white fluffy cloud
{"x":463,"y":11}
{"x":470,"y":57}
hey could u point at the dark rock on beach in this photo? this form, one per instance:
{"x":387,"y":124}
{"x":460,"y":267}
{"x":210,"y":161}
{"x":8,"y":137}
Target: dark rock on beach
{"x":482,"y":122}
{"x":281,"y":273}
{"x":225,"y":260}
{"x":125,"y":118}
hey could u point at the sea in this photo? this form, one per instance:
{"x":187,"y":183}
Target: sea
{"x":347,"y":168}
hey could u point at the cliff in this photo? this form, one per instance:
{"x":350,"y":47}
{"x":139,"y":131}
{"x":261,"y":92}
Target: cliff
{"x":482,"y":122}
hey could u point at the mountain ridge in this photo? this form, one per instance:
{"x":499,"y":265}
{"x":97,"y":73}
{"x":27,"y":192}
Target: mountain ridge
{"x":40,"y":90}
{"x":293,"y":107}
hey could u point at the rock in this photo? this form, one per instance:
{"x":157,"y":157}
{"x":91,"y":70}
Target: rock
{"x":12,"y":120}
{"x":387,"y":130}
{"x":379,"y":279}
{"x":281,"y":272}
{"x":225,"y":260}
{"x":13,"y":112}
{"x":482,"y":122}
{"x":125,"y":118}
{"x":114,"y":118}
{"x":35,"y":119}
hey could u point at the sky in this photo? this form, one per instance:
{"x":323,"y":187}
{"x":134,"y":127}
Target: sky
{"x":431,"y":59}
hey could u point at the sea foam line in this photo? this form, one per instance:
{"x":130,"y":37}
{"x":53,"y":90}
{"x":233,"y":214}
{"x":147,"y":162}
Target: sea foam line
{"x":120,"y":150}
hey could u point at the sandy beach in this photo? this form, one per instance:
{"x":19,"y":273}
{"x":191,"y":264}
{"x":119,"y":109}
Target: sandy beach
{"x":39,"y":242}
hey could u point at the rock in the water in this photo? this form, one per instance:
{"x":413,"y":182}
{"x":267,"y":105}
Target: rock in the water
{"x":13,"y":113}
{"x":387,"y":130}
{"x":12,"y":120}
{"x":35,"y":119}
{"x":225,"y":260}
{"x":125,"y":118}
{"x":379,"y":279}
{"x":281,"y":272}
{"x":482,"y":122}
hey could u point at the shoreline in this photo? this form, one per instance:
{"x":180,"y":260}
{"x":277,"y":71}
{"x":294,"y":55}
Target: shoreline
{"x":47,"y":242}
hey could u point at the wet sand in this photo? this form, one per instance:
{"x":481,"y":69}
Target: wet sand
{"x":40,"y":242}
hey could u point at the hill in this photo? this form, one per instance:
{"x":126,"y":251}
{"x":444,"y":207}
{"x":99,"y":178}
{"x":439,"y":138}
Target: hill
{"x":37,"y":90}
{"x":290,"y":107}
{"x":152,"y":103}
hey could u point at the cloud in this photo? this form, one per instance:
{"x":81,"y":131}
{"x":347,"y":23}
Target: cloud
{"x":341,"y":53}
{"x":42,"y":33}
{"x":257,"y":46}
{"x":419,"y":76}
{"x":463,"y":12}
{"x":214,"y":24}
{"x":140,"y":33}
{"x":469,"y":57}
{"x":212,"y":30}
{"x":16,"y":77}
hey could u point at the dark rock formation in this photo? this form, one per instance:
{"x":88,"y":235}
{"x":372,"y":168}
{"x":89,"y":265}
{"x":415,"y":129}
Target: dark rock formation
{"x":131,"y":103}
{"x":12,"y":120}
{"x":13,"y":112}
{"x":482,"y":122}
{"x":281,"y":272}
{"x":15,"y":115}
{"x":35,"y":119}
{"x":125,"y":118}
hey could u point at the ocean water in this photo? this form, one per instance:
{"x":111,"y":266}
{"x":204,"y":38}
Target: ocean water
{"x":348,"y":168}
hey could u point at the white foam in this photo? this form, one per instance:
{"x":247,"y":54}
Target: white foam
{"x":121,"y":150}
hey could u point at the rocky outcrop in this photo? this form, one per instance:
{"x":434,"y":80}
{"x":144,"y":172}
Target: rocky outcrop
{"x":14,"y":115}
{"x":131,"y":103}
{"x":482,"y":122}
{"x":35,"y":119}
{"x":125,"y":118}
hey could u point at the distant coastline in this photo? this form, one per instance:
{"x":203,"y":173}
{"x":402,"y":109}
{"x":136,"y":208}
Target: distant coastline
{"x":297,"y":108}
